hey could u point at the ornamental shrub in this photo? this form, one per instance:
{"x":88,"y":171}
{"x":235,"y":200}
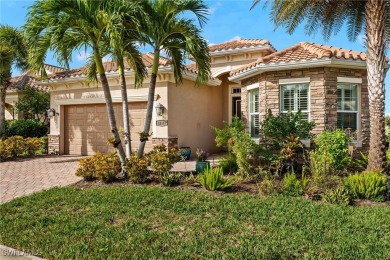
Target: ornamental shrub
{"x":103,"y":167}
{"x":17,"y":146}
{"x":339,"y":196}
{"x":32,"y":145}
{"x":26,"y":128}
{"x":274,"y":130}
{"x":212,"y":179}
{"x":161,"y":159}
{"x":170,"y":178}
{"x":292,"y":186}
{"x":333,"y":145}
{"x":367,"y":185}
{"x":229,"y":164}
{"x":137,"y":168}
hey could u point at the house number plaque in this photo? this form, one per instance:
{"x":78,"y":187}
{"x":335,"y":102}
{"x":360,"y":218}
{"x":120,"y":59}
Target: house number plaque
{"x":162,"y":122}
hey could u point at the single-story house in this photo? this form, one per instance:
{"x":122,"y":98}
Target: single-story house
{"x":327,"y":84}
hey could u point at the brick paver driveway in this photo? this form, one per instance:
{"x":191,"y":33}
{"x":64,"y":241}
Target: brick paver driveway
{"x":28,"y":175}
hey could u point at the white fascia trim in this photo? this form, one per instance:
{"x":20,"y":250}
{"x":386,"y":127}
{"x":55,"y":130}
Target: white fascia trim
{"x":259,"y":68}
{"x":294,"y":80}
{"x":139,"y":98}
{"x":222,"y":71}
{"x":193,"y":76}
{"x":349,"y":80}
{"x":253,"y":86}
{"x":114,"y":74}
{"x":353,"y":64}
{"x":240,"y":50}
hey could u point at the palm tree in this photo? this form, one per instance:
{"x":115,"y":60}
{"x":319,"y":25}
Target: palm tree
{"x":13,"y":52}
{"x":330,"y":15}
{"x":64,"y":26}
{"x":166,"y":30}
{"x":122,"y":33}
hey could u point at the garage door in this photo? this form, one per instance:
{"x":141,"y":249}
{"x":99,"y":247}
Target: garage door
{"x":86,"y":127}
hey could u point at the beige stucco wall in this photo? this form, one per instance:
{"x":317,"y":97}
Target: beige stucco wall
{"x":191,"y":112}
{"x":10,"y":99}
{"x":231,"y":61}
{"x":70,"y":93}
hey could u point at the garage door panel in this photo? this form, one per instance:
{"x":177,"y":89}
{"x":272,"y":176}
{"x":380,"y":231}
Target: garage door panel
{"x":87,"y":128}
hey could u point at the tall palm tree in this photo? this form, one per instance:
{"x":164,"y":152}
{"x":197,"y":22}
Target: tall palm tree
{"x":122,"y":32}
{"x":330,"y":15}
{"x":67,"y":25}
{"x":167,"y":30}
{"x":13,"y":52}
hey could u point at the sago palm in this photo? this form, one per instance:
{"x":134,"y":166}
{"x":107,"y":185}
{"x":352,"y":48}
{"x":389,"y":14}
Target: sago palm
{"x":13,"y":52}
{"x":167,"y":30}
{"x":370,"y":15}
{"x":64,"y":26}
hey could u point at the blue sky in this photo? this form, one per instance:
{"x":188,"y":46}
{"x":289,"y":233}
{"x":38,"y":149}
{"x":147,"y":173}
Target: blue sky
{"x":228,"y":19}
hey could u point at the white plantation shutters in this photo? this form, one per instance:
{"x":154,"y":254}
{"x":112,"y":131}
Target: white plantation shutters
{"x":254,"y":124}
{"x":347,"y":106}
{"x":294,"y":98}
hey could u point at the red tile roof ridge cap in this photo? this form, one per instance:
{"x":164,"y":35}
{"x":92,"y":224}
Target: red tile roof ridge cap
{"x":319,"y":50}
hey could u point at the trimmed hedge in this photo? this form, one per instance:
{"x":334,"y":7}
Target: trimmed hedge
{"x":25,"y":128}
{"x":17,"y":146}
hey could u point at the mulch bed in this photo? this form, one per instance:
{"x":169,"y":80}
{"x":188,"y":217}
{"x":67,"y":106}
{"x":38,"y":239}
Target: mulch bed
{"x":239,"y":187}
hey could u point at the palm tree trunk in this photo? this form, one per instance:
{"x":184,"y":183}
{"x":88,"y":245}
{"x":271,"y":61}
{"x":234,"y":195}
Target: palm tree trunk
{"x":375,"y":44}
{"x":126,"y":116}
{"x":3,"y":92}
{"x":110,"y":110}
{"x":149,"y":111}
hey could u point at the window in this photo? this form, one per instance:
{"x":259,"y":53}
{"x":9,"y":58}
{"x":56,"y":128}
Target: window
{"x":254,"y":124}
{"x":347,"y":106}
{"x":294,"y":98}
{"x":236,"y":90}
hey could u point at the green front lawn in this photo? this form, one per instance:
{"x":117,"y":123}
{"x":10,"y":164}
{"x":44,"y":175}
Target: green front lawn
{"x":154,"y":222}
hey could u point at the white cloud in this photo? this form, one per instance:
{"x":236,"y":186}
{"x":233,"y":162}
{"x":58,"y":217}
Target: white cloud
{"x":83,"y":55}
{"x":235,"y":38}
{"x":214,"y":8}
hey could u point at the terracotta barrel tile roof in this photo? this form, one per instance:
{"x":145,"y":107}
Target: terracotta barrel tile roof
{"x":192,"y":68}
{"x":304,"y":51}
{"x":239,"y":44}
{"x":17,"y":83}
{"x":111,"y":66}
{"x":53,"y":69}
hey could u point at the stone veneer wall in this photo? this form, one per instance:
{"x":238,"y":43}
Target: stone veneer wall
{"x":323,"y":96}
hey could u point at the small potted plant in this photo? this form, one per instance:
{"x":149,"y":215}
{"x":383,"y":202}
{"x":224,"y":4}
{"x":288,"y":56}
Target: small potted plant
{"x":186,"y":152}
{"x":201,"y":163}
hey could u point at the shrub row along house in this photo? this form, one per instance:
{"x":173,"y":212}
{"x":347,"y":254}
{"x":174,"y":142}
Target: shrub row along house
{"x":327,"y":84}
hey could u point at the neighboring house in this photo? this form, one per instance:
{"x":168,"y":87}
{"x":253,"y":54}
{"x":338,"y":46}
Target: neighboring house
{"x":15,"y":91}
{"x":327,"y":84}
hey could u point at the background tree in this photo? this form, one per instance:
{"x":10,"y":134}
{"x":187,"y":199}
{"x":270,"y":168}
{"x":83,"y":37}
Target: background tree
{"x":13,"y":52}
{"x":368,"y":15}
{"x":33,"y":104}
{"x":67,"y":25}
{"x":166,"y":30}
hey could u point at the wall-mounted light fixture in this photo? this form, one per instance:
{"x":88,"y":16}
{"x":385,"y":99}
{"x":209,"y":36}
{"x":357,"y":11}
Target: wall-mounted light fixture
{"x":51,"y":112}
{"x":159,"y":109}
